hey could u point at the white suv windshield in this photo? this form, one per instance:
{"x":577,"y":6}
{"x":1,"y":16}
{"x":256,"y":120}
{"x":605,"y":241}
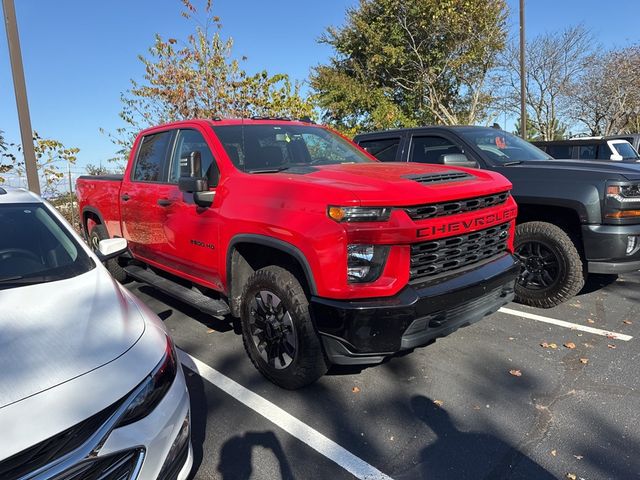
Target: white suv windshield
{"x":626,"y":150}
{"x":36,"y":248}
{"x":269,"y":148}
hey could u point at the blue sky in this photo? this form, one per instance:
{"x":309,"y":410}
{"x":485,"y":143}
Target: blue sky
{"x":79,"y":55}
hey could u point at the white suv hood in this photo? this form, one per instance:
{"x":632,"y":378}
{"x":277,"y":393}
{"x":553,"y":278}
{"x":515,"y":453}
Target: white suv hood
{"x":53,"y":332}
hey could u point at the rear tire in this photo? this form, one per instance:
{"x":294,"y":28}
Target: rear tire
{"x":99,"y":232}
{"x":552,"y":269}
{"x":277,"y":330}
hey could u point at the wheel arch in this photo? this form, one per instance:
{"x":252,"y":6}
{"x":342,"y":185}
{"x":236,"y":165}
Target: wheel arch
{"x":250,"y":252}
{"x":90,"y":213}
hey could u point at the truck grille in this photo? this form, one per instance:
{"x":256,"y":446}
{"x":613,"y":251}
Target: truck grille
{"x":421,"y":212}
{"x":452,"y":253}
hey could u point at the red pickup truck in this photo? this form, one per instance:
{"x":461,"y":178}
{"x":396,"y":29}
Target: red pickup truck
{"x":326,"y":255}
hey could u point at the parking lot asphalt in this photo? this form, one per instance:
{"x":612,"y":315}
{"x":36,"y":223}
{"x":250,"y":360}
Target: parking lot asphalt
{"x":487,"y":402}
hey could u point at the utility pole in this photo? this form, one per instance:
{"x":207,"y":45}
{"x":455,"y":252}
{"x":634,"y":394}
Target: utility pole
{"x":523,"y":77}
{"x":71,"y":206}
{"x":26,"y":132}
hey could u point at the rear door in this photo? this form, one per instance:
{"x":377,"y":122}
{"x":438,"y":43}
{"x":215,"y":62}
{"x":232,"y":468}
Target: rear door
{"x":144,"y":190}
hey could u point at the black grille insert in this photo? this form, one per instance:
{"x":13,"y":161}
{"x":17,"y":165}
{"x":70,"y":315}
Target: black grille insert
{"x":54,"y":447}
{"x":119,"y":466}
{"x":440,"y":177}
{"x":421,"y":212}
{"x":452,"y":253}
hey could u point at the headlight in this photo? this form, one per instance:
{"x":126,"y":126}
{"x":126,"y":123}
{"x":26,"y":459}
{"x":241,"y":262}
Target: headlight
{"x":624,"y":193}
{"x":359,"y":214}
{"x":365,"y":262}
{"x":154,"y":388}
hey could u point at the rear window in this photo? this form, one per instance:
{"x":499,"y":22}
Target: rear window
{"x":152,"y":157}
{"x":36,"y":248}
{"x":384,"y":149}
{"x":559,"y":151}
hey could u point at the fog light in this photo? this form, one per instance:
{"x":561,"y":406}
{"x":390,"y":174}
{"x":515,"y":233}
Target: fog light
{"x":632,"y":244}
{"x":365,"y":262}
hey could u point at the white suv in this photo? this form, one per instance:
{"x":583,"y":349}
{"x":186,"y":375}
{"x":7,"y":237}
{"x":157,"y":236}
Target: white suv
{"x":90,"y":385}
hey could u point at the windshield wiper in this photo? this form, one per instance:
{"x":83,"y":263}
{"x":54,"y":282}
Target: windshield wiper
{"x":269,"y":170}
{"x":18,"y":280}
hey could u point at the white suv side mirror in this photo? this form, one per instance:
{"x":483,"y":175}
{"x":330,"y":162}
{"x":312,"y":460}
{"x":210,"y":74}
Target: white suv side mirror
{"x":111,"y":247}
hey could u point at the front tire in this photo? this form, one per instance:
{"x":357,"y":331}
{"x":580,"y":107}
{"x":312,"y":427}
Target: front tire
{"x":277,"y":330}
{"x":552,"y":269}
{"x":99,"y":232}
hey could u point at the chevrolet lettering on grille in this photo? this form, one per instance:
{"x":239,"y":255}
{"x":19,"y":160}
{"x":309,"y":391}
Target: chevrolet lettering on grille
{"x":465,"y":225}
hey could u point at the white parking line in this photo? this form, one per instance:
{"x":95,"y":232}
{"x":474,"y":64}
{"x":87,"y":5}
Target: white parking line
{"x":303,"y":432}
{"x":572,"y":326}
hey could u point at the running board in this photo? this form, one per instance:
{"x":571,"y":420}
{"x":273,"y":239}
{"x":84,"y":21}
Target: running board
{"x":194,"y":298}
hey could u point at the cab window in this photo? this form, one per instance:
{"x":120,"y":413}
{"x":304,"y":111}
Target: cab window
{"x":188,"y":141}
{"x":384,"y":149}
{"x":431,"y":149}
{"x":151,"y":158}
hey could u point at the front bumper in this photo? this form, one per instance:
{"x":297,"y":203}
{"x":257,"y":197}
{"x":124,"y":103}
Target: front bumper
{"x":366,"y":331}
{"x":157,"y":433}
{"x":605,"y":248}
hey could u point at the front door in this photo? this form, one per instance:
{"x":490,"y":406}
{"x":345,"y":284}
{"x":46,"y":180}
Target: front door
{"x":192,"y":232}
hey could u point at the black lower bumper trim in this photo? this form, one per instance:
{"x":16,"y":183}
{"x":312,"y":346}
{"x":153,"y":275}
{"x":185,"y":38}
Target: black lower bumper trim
{"x":365,"y":331}
{"x":613,"y":267}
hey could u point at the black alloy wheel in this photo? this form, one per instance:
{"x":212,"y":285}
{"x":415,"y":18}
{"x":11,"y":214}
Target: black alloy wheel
{"x":272,"y":330}
{"x":540,"y":266}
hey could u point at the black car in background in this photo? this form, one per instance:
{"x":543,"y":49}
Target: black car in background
{"x":607,"y":148}
{"x":575,"y":217}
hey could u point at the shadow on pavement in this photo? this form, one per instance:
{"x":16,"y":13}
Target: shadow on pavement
{"x":467,"y":455}
{"x":236,"y":455}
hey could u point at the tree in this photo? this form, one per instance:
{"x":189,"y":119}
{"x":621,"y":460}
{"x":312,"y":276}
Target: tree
{"x":51,"y":156}
{"x":553,"y":62}
{"x":605,"y":98}
{"x":200,"y":78}
{"x":410,"y":62}
{"x":96,"y":170}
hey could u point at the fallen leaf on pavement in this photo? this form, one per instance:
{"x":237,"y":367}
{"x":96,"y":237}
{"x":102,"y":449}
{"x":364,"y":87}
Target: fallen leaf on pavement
{"x":571,"y":476}
{"x":548,"y":345}
{"x":554,"y":452}
{"x":439,"y":403}
{"x":579,"y":457}
{"x":476,"y":407}
{"x":570,"y":345}
{"x":355,"y":390}
{"x":627,"y":322}
{"x":584,"y":360}
{"x":591,"y":321}
{"x":210,"y":330}
{"x":611,"y":336}
{"x":611,"y":345}
{"x":515,"y":373}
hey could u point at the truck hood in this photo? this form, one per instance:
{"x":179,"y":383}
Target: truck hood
{"x":631,"y":171}
{"x":54,"y":332}
{"x":396,"y":184}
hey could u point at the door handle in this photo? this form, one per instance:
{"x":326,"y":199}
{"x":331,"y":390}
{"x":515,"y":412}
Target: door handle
{"x":125,"y":197}
{"x":164,"y":202}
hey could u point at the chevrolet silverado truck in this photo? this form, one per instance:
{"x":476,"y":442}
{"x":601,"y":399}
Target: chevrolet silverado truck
{"x":574,"y":217}
{"x":326,"y":255}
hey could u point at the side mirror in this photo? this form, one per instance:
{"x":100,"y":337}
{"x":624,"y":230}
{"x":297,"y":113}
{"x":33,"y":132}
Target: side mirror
{"x":615,"y":157}
{"x":458,"y":160}
{"x":111,"y":248}
{"x":191,"y":181}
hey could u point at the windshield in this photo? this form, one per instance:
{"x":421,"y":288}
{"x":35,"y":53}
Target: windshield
{"x":502,"y":147}
{"x":626,"y":150}
{"x":36,"y":248}
{"x":269,"y":148}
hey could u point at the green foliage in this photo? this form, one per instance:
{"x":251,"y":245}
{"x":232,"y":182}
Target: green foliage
{"x":559,"y":131}
{"x":199,"y":78}
{"x":96,"y":170}
{"x":410,"y":62}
